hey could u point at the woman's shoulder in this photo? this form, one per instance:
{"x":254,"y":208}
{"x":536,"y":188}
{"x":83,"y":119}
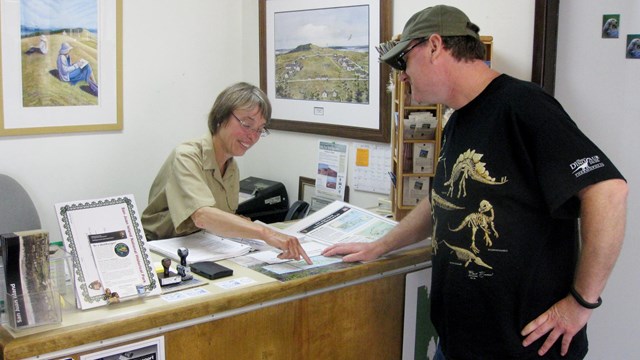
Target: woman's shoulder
{"x":194,"y":147}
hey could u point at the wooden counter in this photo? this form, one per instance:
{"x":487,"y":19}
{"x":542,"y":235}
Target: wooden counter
{"x":353,"y":313}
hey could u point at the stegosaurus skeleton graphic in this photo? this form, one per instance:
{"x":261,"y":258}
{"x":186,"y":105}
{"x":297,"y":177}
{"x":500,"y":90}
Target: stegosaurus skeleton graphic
{"x":483,"y":219}
{"x":468,"y":165}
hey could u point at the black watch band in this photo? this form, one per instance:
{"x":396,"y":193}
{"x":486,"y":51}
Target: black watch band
{"x":582,"y":301}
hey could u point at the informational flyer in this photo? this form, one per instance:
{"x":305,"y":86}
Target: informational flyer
{"x":331,"y":178}
{"x":111,"y":252}
{"x":414,"y":189}
{"x":110,"y":256}
{"x":340,"y":222}
{"x":423,"y":160}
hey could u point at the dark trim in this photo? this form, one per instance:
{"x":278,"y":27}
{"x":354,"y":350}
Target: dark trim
{"x":545,"y":43}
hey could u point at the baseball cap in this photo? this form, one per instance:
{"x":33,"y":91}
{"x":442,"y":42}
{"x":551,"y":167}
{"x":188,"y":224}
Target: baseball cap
{"x":441,"y":19}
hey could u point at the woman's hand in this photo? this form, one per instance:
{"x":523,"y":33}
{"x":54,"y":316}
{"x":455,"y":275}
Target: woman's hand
{"x":290,"y":246}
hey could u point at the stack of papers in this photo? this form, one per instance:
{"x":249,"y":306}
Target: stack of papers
{"x":203,"y":246}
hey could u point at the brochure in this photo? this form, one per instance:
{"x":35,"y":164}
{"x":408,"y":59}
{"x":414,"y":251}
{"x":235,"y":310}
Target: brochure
{"x":340,"y":222}
{"x":30,"y":300}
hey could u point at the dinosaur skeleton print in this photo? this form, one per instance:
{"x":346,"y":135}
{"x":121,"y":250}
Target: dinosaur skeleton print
{"x":477,"y":222}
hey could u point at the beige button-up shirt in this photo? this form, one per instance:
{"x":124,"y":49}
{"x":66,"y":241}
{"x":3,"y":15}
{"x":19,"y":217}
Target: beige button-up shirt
{"x":188,"y":180}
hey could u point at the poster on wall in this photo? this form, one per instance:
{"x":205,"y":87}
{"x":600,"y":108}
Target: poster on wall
{"x":331,"y":175}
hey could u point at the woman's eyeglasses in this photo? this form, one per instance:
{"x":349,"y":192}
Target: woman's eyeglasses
{"x":262,"y":132}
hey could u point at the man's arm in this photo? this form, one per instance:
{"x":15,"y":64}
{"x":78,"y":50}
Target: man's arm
{"x":414,"y":227}
{"x":603,"y":213}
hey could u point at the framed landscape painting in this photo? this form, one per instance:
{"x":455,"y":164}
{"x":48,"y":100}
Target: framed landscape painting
{"x":60,"y":66}
{"x":320,"y":69}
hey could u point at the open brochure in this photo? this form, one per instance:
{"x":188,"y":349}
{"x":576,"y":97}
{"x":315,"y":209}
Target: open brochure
{"x":109,"y":251}
{"x":203,"y":246}
{"x":340,"y":222}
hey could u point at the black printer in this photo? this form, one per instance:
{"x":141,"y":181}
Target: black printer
{"x":266,"y":200}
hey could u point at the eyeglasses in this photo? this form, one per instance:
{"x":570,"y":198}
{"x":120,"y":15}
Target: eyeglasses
{"x":399,"y":62}
{"x":261,"y":132}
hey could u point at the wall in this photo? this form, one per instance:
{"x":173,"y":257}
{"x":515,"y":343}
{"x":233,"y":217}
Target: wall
{"x":598,"y":87}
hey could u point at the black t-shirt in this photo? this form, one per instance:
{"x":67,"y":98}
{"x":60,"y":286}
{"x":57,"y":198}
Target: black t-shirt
{"x":504,"y":210}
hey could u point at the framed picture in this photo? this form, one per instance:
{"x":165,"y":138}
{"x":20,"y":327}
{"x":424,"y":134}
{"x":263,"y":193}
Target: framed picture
{"x":307,"y":190}
{"x":319,"y":67}
{"x":633,"y":46}
{"x":60,"y":66}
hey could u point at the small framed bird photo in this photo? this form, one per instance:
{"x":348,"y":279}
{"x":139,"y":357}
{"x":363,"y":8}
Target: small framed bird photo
{"x":633,"y":46}
{"x":610,"y":26}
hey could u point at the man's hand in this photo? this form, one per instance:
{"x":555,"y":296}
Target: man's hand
{"x":353,"y":251}
{"x":565,"y":318}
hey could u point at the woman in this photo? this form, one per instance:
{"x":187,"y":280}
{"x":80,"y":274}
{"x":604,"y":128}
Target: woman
{"x":75,"y":72}
{"x":198,"y":186}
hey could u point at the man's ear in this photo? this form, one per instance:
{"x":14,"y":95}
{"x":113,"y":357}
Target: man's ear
{"x":436,"y":42}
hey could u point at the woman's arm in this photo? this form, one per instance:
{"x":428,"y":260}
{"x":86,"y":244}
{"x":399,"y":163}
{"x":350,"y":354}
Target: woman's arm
{"x":225,"y":224}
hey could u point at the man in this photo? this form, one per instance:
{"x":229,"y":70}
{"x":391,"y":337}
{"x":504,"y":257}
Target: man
{"x":513,"y":176}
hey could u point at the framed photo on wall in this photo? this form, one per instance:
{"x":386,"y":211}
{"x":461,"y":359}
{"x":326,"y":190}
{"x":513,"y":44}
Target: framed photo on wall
{"x":307,"y":192}
{"x":319,"y":67}
{"x":60,"y":66}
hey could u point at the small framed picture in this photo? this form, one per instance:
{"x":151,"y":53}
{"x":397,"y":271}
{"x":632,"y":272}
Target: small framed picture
{"x":633,"y":46}
{"x":610,"y":26}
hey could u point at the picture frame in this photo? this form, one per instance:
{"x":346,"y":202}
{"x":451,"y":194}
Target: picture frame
{"x":326,"y":103}
{"x":37,"y":95}
{"x":307,"y":189}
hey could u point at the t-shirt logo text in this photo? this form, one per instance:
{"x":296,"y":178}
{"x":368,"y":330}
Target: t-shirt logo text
{"x":583,"y":166}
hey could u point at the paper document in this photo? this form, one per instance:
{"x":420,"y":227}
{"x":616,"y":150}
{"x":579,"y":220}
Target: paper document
{"x":340,"y":222}
{"x":331,"y":178}
{"x":203,"y":246}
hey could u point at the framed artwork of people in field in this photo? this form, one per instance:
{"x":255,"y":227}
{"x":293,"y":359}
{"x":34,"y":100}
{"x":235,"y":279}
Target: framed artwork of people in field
{"x":320,"y":69}
{"x":60,"y":66}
